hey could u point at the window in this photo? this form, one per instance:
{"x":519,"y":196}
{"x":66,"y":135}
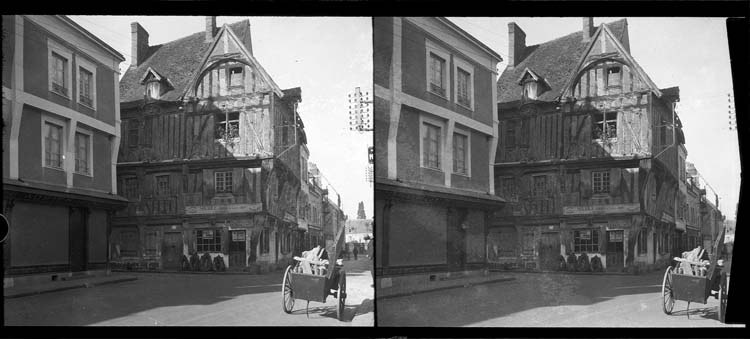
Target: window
{"x":223,"y":182}
{"x":437,"y":74}
{"x":530,"y":89}
{"x":510,"y":136}
{"x":227,"y":125}
{"x":84,"y":84}
{"x":208,"y":241}
{"x":600,"y":181}
{"x":53,"y":145}
{"x":605,"y":125}
{"x":235,"y":76}
{"x":463,"y":87}
{"x":153,"y":89}
{"x":613,"y":77}
{"x":131,"y":188}
{"x":681,"y":169}
{"x":460,"y":153}
{"x":431,"y":141}
{"x":162,"y":185}
{"x":59,"y":61}
{"x":133,"y":133}
{"x":265,"y":242}
{"x":59,"y":74}
{"x":540,"y":186}
{"x":663,"y":134}
{"x":83,"y":151}
{"x":586,"y":241}
{"x":643,"y":241}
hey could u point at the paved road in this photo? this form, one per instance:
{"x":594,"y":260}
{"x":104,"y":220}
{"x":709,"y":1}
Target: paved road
{"x":554,"y":300}
{"x":158,"y":299}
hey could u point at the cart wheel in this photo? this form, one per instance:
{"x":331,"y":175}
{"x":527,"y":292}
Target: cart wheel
{"x":341,"y":295}
{"x":286,"y":291}
{"x":723,"y":293}
{"x":666,"y":291}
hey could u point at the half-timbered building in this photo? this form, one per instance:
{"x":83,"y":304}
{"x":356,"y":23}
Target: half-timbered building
{"x":210,"y":157}
{"x":587,"y":154}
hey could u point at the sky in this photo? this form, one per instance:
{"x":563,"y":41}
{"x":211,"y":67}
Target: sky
{"x":327,"y":57}
{"x":691,"y":53}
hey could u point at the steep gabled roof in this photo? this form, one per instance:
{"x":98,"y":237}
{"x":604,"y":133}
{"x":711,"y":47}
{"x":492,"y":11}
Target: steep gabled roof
{"x":554,"y":61}
{"x":176,"y":60}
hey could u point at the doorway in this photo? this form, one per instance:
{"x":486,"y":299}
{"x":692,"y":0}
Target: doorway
{"x":549,"y":251}
{"x":77,"y":239}
{"x":237,"y":249}
{"x":171,"y":253}
{"x":615,"y":251}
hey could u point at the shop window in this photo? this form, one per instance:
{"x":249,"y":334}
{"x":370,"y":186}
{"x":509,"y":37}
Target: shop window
{"x":208,"y":241}
{"x":605,"y":126}
{"x":529,"y":245}
{"x":151,"y":241}
{"x":643,"y":241}
{"x":600,"y":181}
{"x":586,"y":241}
{"x":223,"y":182}
{"x":128,"y":243}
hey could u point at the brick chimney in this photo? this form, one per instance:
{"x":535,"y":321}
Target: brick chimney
{"x":516,"y":44}
{"x":210,"y":28}
{"x":588,"y":28}
{"x":138,"y":43}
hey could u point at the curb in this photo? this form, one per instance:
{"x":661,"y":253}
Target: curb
{"x":444,"y":288}
{"x":196,"y":272}
{"x":59,"y":289}
{"x":564,"y":272}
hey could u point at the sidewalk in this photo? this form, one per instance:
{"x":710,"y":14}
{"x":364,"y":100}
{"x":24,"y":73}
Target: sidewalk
{"x":61,"y":285}
{"x":411,"y":286}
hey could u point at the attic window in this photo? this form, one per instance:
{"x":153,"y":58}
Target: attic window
{"x":153,"y":89}
{"x":530,"y":89}
{"x":235,"y":76}
{"x":613,"y":77}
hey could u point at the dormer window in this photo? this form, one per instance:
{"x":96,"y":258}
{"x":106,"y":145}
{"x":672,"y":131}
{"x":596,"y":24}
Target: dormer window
{"x":530,"y":89}
{"x":153,"y":89}
{"x":155,"y":84}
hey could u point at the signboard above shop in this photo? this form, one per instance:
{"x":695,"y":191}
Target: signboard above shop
{"x":601,"y":209}
{"x":224,"y":208}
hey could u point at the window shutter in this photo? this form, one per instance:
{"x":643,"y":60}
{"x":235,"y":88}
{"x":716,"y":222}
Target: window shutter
{"x":425,"y":146}
{"x":614,"y":182}
{"x":602,"y":240}
{"x":236,"y":180}
{"x":208,"y":183}
{"x":224,"y":240}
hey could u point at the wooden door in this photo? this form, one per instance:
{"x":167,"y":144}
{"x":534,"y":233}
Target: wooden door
{"x":237,"y":246}
{"x":171,"y":253}
{"x":549,"y":251}
{"x":77,"y":239}
{"x":615,"y":251}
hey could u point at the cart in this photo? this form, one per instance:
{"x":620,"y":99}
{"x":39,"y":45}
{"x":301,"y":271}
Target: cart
{"x":302,"y":283}
{"x":678,"y":284}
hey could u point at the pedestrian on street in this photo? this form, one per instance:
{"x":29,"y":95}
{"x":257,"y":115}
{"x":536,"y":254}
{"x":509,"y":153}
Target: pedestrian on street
{"x":355,"y":253}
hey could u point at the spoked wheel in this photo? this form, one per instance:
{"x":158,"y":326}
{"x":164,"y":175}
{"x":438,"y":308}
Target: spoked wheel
{"x":723,"y":293}
{"x":666,"y":291}
{"x":286,"y":291}
{"x":341,"y":295}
